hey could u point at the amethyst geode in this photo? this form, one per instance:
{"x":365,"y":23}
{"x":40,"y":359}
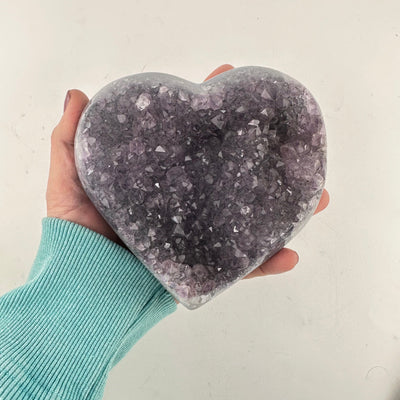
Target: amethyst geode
{"x":203,"y":182}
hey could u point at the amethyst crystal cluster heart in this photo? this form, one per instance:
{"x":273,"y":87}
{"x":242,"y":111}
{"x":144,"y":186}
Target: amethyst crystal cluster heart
{"x":203,"y":182}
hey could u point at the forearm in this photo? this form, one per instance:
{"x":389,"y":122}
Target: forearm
{"x":86,"y":302}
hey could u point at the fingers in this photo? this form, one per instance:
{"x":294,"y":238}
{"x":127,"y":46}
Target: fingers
{"x":65,"y":130}
{"x":219,"y":70}
{"x":283,"y":261}
{"x":323,"y":202}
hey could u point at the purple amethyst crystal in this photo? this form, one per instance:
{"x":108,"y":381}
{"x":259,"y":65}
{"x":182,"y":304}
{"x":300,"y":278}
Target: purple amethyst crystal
{"x":203,"y":182}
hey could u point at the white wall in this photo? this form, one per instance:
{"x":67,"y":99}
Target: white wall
{"x":329,"y":329}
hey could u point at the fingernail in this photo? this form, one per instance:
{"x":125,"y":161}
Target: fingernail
{"x":66,"y":101}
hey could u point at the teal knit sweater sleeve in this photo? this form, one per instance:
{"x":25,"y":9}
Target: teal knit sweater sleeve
{"x":87,"y":301}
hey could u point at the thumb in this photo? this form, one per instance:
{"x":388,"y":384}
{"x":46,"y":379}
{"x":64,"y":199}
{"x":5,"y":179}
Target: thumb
{"x":75,"y":102}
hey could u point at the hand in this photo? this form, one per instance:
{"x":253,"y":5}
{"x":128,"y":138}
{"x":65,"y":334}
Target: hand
{"x":65,"y":196}
{"x":67,"y":200}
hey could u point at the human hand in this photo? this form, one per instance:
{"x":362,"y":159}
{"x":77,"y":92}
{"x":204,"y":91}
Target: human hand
{"x":66,"y":198}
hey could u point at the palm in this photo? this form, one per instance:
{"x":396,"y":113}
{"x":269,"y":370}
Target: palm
{"x":65,"y":196}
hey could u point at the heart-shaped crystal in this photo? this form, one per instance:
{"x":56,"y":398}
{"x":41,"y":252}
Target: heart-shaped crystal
{"x":203,"y":182}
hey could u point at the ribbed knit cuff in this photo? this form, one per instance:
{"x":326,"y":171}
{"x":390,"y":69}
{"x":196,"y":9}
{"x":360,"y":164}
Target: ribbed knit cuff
{"x":86,"y":302}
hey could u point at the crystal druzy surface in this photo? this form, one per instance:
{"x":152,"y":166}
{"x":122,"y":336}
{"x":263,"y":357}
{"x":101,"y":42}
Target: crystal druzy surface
{"x":203,"y":182}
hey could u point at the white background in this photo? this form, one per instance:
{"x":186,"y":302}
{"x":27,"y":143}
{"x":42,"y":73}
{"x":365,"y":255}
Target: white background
{"x":330,"y":328}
